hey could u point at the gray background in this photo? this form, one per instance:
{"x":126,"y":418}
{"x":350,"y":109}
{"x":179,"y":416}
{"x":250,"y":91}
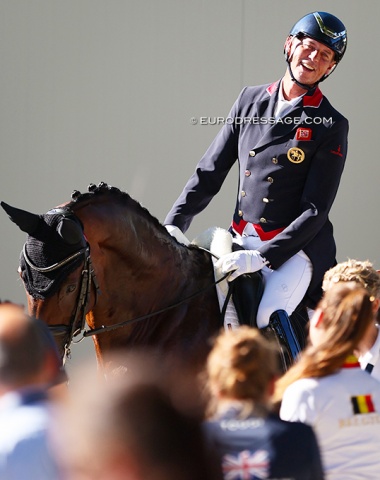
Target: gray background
{"x":104,"y":91}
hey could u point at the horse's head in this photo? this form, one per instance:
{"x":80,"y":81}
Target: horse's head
{"x":50,"y":262}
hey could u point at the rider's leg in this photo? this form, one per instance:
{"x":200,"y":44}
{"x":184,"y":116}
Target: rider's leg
{"x":284,"y":290}
{"x":284,"y":287}
{"x":247,"y":291}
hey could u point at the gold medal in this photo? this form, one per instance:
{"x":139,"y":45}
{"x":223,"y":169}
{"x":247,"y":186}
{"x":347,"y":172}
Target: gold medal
{"x":296,"y":155}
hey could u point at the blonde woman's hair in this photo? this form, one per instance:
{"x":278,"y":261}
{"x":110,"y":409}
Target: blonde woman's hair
{"x":241,"y":365}
{"x":347,"y":314}
{"x":362,"y":272}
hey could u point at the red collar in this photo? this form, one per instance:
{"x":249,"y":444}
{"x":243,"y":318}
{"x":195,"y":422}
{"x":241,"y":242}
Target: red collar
{"x":313,"y":100}
{"x":351,"y":362}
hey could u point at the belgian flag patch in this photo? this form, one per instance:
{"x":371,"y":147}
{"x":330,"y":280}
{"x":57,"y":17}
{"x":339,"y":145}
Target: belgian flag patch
{"x":362,"y":404}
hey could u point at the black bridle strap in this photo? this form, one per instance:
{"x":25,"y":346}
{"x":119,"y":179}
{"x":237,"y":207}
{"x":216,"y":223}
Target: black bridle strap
{"x":88,"y":276}
{"x":108,"y":328}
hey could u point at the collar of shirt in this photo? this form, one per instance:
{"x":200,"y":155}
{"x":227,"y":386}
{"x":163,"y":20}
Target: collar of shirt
{"x":372,"y":355}
{"x":351,"y":362}
{"x":284,"y":106}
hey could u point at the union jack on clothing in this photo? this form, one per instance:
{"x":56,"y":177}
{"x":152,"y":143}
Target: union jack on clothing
{"x":246,"y":465}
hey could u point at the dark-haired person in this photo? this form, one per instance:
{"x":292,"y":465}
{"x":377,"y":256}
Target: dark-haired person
{"x":291,"y":146}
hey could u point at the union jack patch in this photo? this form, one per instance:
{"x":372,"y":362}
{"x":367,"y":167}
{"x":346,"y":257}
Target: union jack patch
{"x":303,"y":134}
{"x":246,"y":465}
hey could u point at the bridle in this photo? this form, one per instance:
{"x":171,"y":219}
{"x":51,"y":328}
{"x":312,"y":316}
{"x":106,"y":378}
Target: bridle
{"x":78,"y":318}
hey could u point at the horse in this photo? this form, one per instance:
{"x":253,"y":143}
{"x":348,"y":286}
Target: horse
{"x":104,"y":260}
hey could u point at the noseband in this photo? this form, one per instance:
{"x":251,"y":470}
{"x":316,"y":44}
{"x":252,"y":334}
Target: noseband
{"x":78,"y":318}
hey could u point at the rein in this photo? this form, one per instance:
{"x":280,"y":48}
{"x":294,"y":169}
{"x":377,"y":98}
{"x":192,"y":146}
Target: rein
{"x":78,"y":319}
{"x":108,"y":328}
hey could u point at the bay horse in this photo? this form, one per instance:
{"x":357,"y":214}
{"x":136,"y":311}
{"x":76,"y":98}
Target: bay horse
{"x":103,"y":259}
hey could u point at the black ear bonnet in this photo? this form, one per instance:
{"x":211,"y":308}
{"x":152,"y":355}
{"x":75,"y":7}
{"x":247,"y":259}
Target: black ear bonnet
{"x":52,"y":238}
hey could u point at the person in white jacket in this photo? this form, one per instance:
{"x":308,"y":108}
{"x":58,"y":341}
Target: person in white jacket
{"x":328,"y":390}
{"x":364,"y":273}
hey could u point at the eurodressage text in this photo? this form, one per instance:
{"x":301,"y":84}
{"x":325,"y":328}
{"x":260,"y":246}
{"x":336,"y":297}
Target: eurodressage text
{"x":261,"y":120}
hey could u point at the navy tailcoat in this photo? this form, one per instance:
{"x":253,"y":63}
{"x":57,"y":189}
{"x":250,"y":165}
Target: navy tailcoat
{"x":289,"y":173}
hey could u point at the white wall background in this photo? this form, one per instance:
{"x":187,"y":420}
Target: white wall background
{"x":104,"y":90}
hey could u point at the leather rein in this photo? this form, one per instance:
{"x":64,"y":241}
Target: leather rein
{"x":78,"y":318}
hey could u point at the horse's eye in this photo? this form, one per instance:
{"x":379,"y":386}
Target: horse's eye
{"x":70,"y":288}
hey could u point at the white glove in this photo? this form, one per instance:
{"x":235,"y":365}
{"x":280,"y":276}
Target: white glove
{"x":240,"y":262}
{"x":177,"y":234}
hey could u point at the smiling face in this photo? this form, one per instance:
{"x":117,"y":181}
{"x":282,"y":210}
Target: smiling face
{"x":309,"y":60}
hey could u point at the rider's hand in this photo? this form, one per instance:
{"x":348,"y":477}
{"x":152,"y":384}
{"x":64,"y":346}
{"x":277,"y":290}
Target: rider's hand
{"x":177,"y":234}
{"x":240,"y":262}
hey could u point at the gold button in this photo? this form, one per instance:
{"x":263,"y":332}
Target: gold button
{"x":274,"y":160}
{"x":252,"y":153}
{"x":247,"y":173}
{"x":243,"y":194}
{"x":240,"y":213}
{"x":265,"y":200}
{"x":270,"y":179}
{"x":263,"y":220}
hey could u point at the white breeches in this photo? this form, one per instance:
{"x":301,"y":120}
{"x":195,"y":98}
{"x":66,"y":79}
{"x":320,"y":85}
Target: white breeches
{"x":285,"y":287}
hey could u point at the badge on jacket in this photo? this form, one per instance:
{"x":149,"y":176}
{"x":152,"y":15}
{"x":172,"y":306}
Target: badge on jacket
{"x":303,"y":133}
{"x":296,"y":155}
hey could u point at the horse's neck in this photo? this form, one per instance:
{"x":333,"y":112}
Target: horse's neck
{"x":129,"y":245}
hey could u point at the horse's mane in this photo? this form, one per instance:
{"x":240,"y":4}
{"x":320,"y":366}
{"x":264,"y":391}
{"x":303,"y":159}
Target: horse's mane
{"x":79,"y":199}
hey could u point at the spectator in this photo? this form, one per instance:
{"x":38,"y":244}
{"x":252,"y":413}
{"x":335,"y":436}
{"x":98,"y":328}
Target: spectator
{"x":131,"y":428}
{"x":362,"y":272}
{"x":251,"y":440}
{"x":28,"y":367}
{"x":328,"y":390}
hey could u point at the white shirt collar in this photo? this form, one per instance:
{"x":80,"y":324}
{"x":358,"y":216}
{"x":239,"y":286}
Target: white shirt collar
{"x":284,"y":106}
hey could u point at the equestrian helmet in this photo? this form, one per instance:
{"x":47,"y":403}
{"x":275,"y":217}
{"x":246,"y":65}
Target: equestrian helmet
{"x":325,"y":28}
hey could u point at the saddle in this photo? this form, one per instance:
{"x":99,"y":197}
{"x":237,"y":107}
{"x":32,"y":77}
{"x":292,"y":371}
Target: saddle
{"x":239,"y":300}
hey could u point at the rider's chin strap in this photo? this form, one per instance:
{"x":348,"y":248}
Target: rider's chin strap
{"x":309,"y":89}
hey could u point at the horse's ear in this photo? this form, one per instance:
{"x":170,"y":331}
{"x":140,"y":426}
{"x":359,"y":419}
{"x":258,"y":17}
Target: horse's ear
{"x":26,"y":221}
{"x":70,"y":231}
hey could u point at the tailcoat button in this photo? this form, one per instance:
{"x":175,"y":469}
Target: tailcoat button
{"x":266,"y":200}
{"x":252,"y":153}
{"x":243,"y":194}
{"x":247,"y":173}
{"x":263,"y":220}
{"x":240,"y":213}
{"x":270,"y":179}
{"x":274,"y":160}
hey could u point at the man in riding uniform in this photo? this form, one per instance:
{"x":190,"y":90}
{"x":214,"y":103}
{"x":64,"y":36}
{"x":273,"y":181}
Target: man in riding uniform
{"x":291,"y":145}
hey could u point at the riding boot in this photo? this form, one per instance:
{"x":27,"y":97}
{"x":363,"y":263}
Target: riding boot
{"x":246,"y":291}
{"x":281,"y":327}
